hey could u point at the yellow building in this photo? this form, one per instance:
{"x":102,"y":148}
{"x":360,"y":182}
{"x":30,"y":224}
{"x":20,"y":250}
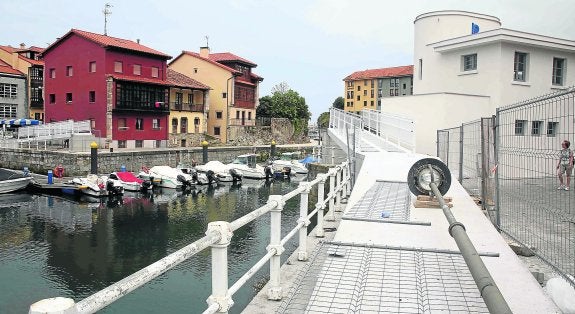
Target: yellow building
{"x":189,"y":103}
{"x":27,"y":61}
{"x":368,"y":89}
{"x":234,"y":88}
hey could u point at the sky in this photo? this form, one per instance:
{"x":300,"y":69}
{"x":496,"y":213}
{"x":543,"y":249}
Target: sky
{"x":309,"y":44}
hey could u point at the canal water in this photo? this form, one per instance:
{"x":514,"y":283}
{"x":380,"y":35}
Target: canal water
{"x":53,"y":246}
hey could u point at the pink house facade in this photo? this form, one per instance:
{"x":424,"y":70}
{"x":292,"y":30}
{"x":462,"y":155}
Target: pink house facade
{"x":117,"y":84}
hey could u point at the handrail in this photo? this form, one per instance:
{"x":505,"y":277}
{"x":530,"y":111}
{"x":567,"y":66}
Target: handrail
{"x":218,"y":238}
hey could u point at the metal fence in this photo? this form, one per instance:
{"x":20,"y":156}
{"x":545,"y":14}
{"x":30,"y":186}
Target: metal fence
{"x":515,"y":155}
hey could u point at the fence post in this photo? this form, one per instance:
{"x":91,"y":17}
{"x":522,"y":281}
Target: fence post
{"x":461,"y":154}
{"x":496,"y":157}
{"x":319,"y":233}
{"x":275,"y":290}
{"x":302,"y":252}
{"x":333,"y":155}
{"x":331,"y":209}
{"x":337,"y":183}
{"x":220,"y":266}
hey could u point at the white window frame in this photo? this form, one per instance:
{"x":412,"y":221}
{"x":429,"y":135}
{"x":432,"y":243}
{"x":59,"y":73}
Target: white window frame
{"x":558,"y":79}
{"x":469,"y":62}
{"x":520,"y":67}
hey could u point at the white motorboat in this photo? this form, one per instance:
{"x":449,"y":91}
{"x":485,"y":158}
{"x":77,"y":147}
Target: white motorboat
{"x":94,"y":185}
{"x":166,"y":177}
{"x":290,"y":160}
{"x":11,"y":181}
{"x":250,"y":169}
{"x":223,"y":173}
{"x":198,"y":178}
{"x":130,"y":182}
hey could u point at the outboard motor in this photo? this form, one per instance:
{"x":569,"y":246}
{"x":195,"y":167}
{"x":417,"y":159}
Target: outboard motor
{"x":235,"y":175}
{"x":286,"y":171}
{"x":211,"y":177}
{"x":114,"y":189}
{"x":182,"y":179}
{"x":269,"y":172}
{"x":146,"y":186}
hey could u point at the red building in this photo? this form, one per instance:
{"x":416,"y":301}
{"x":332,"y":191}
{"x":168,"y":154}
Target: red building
{"x":118,"y":84}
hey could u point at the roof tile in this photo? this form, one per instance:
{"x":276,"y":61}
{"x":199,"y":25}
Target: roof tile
{"x":377,"y":73}
{"x":178,"y":79}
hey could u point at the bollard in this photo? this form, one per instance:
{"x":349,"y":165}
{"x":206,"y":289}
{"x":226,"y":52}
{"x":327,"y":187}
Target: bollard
{"x":205,"y":152}
{"x":25,"y":171}
{"x":273,"y":150}
{"x":302,"y":249}
{"x":50,"y":177}
{"x":94,"y":158}
{"x":275,"y":289}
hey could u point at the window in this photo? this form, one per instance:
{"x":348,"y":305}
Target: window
{"x":8,"y":111}
{"x":92,"y":67}
{"x":8,"y":90}
{"x":469,"y":62}
{"x":52,"y":73}
{"x":349,"y":84}
{"x":190,"y":99}
{"x":158,"y":143}
{"x":52,"y":98}
{"x":372,"y":103}
{"x":358,"y":88}
{"x":420,"y":69}
{"x":365,"y":103}
{"x":536,"y":127}
{"x":520,"y":67}
{"x":179,"y":99}
{"x":156,"y":124}
{"x":118,"y":67}
{"x":184,"y":125}
{"x":137,"y":69}
{"x":139,"y":124}
{"x":174,"y":125}
{"x":224,"y":95}
{"x":365,"y":82}
{"x":92,"y":96}
{"x":92,"y":123}
{"x":216,"y":130}
{"x":558,"y":71}
{"x":139,"y":143}
{"x":380,"y":93}
{"x":372,"y":83}
{"x":349,"y":94}
{"x":196,"y":121}
{"x":122,"y":125}
{"x":155,"y":71}
{"x":404,"y":86}
{"x":68,"y":97}
{"x":219,"y":114}
{"x":249,"y":115}
{"x":69,"y":71}
{"x":552,"y":128}
{"x":520,"y":127}
{"x":372,"y":93}
{"x":358,"y":98}
{"x":122,"y":144}
{"x":365,"y":92}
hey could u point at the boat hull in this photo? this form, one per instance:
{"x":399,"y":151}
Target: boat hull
{"x":11,"y":185}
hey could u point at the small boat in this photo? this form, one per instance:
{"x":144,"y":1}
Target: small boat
{"x":166,"y":177}
{"x":130,"y":182}
{"x":223,"y":173}
{"x":249,"y":168}
{"x":199,"y":178}
{"x":290,"y":160}
{"x":11,"y":181}
{"x":98,"y":186}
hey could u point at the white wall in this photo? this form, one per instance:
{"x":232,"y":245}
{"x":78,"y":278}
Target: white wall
{"x":432,"y":112}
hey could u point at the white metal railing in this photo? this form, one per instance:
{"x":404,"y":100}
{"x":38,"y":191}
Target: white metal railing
{"x":52,"y":131}
{"x":218,"y":237}
{"x":380,"y":129}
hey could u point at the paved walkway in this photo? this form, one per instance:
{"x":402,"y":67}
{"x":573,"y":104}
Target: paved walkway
{"x":407,"y":264}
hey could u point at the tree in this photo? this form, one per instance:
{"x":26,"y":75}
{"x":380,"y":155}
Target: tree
{"x":323,"y":120}
{"x":281,"y":88}
{"x":284,"y":103}
{"x":338,"y":103}
{"x":264,"y":108}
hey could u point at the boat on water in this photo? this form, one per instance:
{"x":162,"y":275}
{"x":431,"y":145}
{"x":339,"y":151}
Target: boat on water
{"x":289,"y":160}
{"x":166,"y":177}
{"x":222,"y":172}
{"x":130,"y":182}
{"x":11,"y":181}
{"x":247,"y":164}
{"x":98,"y":186}
{"x":198,"y":177}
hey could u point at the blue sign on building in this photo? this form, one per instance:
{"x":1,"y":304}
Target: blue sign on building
{"x":474,"y":28}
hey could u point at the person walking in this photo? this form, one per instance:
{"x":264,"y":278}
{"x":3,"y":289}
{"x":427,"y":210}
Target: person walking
{"x":565,"y":165}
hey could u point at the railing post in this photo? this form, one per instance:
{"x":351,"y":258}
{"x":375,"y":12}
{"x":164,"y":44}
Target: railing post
{"x":319,"y":233}
{"x":331,"y":194}
{"x":337,"y":183}
{"x":275,"y":290}
{"x":302,"y":252}
{"x":347,"y":179}
{"x":220,"y":266}
{"x":333,"y":155}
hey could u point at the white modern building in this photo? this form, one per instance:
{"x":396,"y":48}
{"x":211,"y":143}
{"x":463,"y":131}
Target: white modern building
{"x":466,"y":66}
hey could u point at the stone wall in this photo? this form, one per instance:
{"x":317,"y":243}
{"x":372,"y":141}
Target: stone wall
{"x":78,"y":164}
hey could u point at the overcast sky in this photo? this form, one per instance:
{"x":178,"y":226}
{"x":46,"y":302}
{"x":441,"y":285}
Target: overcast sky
{"x":309,"y":44}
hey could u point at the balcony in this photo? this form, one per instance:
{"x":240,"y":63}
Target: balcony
{"x":242,"y":122}
{"x":187,"y":107}
{"x":148,"y":107}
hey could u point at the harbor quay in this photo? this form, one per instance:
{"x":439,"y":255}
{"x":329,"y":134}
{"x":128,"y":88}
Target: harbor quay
{"x":78,"y":163}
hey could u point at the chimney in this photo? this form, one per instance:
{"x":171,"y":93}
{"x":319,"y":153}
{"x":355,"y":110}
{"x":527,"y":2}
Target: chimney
{"x":205,"y":52}
{"x":138,"y":40}
{"x":22,"y":46}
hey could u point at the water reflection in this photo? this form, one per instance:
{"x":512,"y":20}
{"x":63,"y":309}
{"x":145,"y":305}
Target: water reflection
{"x":58,"y":246}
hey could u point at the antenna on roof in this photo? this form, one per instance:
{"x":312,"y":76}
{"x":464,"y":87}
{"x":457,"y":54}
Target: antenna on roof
{"x":207,"y":41}
{"x":106,"y":12}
